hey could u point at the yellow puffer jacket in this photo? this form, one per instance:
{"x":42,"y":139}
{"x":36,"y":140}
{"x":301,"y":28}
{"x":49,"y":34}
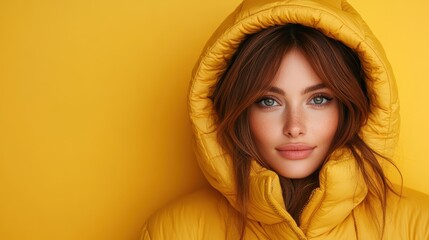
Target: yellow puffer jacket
{"x":340,"y":208}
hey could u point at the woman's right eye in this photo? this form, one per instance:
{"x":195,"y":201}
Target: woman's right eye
{"x":268,"y":102}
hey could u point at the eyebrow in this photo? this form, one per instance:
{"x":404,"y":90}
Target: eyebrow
{"x":305,"y":91}
{"x":314,"y":88}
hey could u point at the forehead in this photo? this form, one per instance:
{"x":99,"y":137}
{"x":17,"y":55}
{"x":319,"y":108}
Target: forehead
{"x":295,"y":72}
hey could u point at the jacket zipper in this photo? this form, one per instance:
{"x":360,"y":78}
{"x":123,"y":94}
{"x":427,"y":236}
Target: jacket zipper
{"x":291,"y":227}
{"x":307,"y":202}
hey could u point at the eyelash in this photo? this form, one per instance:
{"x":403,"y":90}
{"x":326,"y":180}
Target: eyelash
{"x":260,"y":102}
{"x":323,"y":96}
{"x":326,"y":100}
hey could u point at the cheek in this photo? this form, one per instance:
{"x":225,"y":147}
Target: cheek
{"x":257,"y":124}
{"x":326,"y":124}
{"x":264,"y":126}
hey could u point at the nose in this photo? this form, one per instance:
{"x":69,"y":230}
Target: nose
{"x":294,"y":124}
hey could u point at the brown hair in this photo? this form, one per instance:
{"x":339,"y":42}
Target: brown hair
{"x":249,"y":76}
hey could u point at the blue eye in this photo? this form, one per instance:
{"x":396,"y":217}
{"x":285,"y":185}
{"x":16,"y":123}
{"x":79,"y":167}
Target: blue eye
{"x":268,"y":102}
{"x":319,"y":100}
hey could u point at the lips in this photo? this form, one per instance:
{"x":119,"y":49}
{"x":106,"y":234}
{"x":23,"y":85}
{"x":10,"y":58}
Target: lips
{"x":295,"y":151}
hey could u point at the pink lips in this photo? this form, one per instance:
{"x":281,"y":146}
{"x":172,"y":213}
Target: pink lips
{"x":295,"y":151}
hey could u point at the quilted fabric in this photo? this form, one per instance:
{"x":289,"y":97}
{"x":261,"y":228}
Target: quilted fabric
{"x":339,"y":208}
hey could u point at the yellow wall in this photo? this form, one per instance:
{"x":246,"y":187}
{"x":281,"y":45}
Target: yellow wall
{"x":93,"y":105}
{"x":401,"y":26}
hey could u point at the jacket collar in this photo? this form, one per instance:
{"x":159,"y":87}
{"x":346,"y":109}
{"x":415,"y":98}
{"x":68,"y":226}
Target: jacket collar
{"x":341,"y":189}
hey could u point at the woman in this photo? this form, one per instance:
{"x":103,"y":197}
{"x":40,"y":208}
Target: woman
{"x":295,"y":113}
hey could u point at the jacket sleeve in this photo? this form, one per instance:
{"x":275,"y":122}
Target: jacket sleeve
{"x":418,"y":216}
{"x":201,"y":215}
{"x":411,"y":215}
{"x":145,"y":233}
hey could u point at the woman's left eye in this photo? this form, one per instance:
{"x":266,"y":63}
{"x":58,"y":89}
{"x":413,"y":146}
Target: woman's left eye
{"x":319,"y":100}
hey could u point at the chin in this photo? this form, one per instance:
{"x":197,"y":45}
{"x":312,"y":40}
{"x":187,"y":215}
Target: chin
{"x":294,"y":175}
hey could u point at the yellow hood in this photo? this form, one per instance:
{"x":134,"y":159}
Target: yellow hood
{"x":341,"y":186}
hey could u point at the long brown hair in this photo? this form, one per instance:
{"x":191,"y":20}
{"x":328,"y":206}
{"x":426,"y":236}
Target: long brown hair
{"x":250,"y":74}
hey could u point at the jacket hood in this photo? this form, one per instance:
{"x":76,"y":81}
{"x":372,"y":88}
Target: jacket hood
{"x":341,"y":185}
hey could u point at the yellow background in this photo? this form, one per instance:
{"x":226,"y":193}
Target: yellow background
{"x":94,"y":133}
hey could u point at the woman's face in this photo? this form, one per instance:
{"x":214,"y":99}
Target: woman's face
{"x":294,"y":123}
